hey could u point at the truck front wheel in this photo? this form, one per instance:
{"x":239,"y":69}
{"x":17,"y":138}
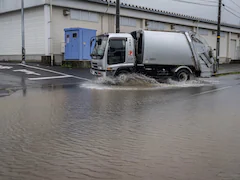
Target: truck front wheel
{"x":183,"y":75}
{"x":122,"y":74}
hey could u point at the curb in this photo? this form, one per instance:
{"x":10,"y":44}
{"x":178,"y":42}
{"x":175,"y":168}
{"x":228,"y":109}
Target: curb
{"x":8,"y":91}
{"x":225,"y":74}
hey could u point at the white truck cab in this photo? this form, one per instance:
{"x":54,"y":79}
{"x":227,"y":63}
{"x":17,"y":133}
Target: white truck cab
{"x":112,"y":53}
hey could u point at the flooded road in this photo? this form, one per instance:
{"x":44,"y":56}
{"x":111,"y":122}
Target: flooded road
{"x":99,"y":131}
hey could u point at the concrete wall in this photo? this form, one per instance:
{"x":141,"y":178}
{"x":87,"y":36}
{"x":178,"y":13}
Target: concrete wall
{"x":105,"y":23}
{"x":61,"y":22}
{"x":10,"y":32}
{"x":38,"y":31}
{"x":225,"y":43}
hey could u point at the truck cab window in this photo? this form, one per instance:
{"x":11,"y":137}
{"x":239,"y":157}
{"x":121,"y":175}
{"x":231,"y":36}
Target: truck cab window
{"x":140,"y":44}
{"x":139,"y":48}
{"x":116,"y":51}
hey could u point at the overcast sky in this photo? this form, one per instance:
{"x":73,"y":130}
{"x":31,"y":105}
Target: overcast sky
{"x":194,"y":9}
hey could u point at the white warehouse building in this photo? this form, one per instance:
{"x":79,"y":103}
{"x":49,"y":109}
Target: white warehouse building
{"x":44,"y":34}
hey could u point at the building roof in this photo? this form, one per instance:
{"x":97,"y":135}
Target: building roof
{"x":165,"y":13}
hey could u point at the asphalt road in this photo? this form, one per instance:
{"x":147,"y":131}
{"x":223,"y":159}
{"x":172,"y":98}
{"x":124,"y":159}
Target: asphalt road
{"x":60,"y":124}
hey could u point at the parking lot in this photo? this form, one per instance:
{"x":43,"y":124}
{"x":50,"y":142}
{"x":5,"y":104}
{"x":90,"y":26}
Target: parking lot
{"x":35,"y":72}
{"x":15,"y":76}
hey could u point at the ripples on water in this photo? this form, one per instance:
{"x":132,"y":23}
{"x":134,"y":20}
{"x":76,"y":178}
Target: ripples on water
{"x":78,"y":134}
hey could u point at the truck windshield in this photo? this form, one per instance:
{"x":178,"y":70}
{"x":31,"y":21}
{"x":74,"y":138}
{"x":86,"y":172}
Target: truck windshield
{"x":100,"y":46}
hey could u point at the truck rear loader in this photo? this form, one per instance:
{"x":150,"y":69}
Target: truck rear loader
{"x":157,"y":54}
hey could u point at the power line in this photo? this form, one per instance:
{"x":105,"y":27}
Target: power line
{"x":235,"y":3}
{"x":231,"y":12}
{"x":183,"y":1}
{"x":231,"y":8}
{"x":211,"y":1}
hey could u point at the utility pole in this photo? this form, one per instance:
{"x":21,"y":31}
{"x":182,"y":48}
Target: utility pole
{"x":118,"y":16}
{"x":23,"y":34}
{"x":219,"y":30}
{"x":51,"y":34}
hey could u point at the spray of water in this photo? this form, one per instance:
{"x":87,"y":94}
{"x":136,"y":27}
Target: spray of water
{"x":141,"y":82}
{"x":128,"y":80}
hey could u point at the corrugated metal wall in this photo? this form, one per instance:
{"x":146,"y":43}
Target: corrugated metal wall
{"x":10,"y":32}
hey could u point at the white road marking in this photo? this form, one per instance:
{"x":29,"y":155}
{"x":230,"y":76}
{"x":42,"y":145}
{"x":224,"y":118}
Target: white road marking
{"x":5,"y":67}
{"x":211,"y":91}
{"x":48,"y":78}
{"x":27,"y":72}
{"x":55,"y":72}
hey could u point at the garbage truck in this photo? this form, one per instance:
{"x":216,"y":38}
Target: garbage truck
{"x":156,"y":54}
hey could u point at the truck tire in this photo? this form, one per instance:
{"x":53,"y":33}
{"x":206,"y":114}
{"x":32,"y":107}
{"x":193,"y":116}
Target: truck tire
{"x":122,"y":74}
{"x":183,"y":75}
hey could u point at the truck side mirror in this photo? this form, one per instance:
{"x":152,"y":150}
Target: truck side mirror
{"x":91,"y":42}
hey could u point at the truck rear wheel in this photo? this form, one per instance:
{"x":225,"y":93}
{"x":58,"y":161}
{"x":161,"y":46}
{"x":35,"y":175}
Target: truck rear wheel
{"x":183,"y":75}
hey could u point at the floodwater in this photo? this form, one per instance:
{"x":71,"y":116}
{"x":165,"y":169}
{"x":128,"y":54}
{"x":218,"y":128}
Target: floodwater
{"x":139,"y":131}
{"x":140,"y":82}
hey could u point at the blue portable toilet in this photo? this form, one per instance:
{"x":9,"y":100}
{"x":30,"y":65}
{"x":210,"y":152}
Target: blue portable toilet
{"x":77,"y":43}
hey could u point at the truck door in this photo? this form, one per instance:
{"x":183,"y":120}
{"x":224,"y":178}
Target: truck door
{"x":116,"y":51}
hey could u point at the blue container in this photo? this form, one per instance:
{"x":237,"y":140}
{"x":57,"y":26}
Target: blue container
{"x":77,"y":43}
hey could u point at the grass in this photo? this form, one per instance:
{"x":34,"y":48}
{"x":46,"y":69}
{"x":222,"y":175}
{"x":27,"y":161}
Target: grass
{"x":76,"y":64}
{"x":225,"y":74}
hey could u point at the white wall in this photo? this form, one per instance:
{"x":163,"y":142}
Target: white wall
{"x":38,"y":28}
{"x":128,"y":29}
{"x":224,"y":43}
{"x":137,"y":14}
{"x":235,"y":36}
{"x":105,"y":24}
{"x":11,"y":5}
{"x":61,"y":22}
{"x":10,"y":32}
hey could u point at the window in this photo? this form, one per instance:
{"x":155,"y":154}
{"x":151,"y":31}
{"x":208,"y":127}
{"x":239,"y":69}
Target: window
{"x":116,"y":51}
{"x":126,"y":21}
{"x":152,"y":25}
{"x":84,"y":15}
{"x":74,"y":35}
{"x":182,"y":28}
{"x":100,"y":46}
{"x":140,"y":44}
{"x":203,"y":32}
{"x":222,"y":34}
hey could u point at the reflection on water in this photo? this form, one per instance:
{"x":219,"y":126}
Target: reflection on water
{"x":77,"y":133}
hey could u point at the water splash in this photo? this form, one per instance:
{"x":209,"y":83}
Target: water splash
{"x":141,"y":82}
{"x":128,"y":80}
